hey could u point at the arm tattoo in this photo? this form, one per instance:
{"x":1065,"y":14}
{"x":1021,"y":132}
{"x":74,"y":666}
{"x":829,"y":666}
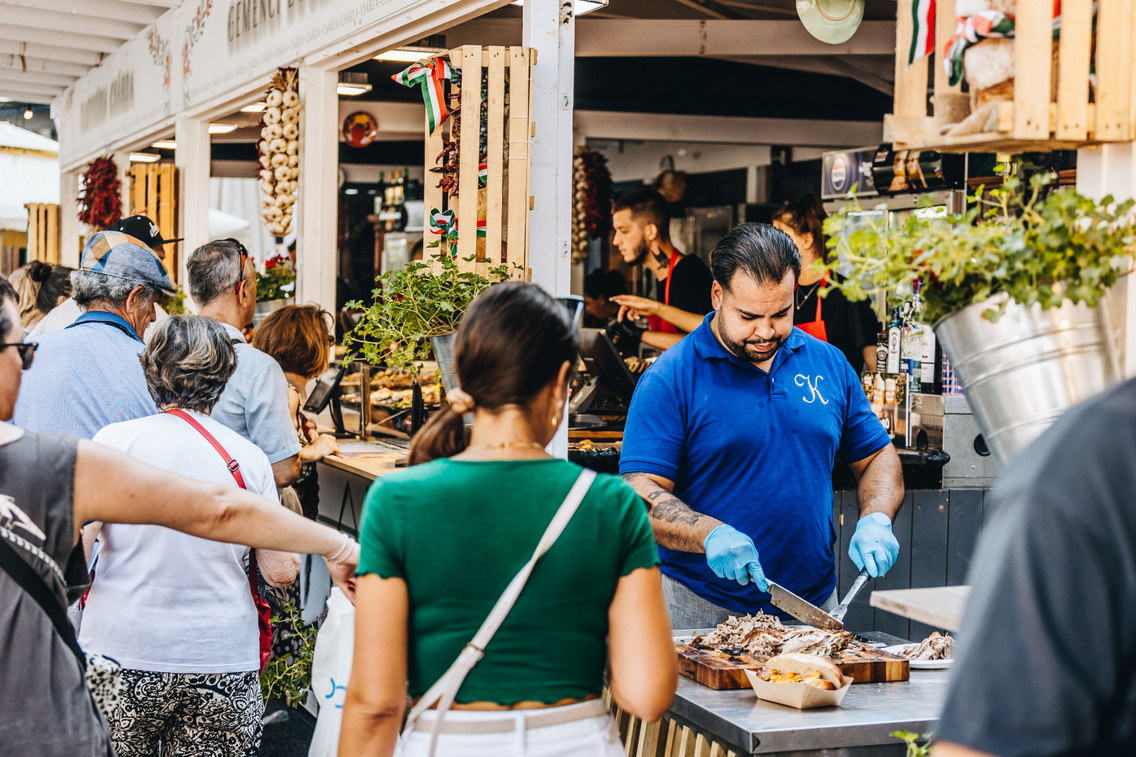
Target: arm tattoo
{"x":676,"y":525}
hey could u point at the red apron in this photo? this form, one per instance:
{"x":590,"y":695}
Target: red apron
{"x":654,"y":322}
{"x":816,"y":328}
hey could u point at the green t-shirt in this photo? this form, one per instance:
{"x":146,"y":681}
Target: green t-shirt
{"x":458,"y":531}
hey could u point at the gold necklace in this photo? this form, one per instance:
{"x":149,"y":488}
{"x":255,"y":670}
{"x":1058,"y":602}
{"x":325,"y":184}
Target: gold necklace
{"x":506,"y":445}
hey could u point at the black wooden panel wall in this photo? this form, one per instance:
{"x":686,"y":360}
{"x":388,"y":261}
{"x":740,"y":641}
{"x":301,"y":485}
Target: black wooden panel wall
{"x":937,"y":531}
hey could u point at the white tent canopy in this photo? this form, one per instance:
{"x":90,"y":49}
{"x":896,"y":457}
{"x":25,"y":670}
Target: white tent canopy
{"x":29,"y":165}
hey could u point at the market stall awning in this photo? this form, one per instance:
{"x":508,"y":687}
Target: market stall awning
{"x":45,"y":45}
{"x":35,"y":160}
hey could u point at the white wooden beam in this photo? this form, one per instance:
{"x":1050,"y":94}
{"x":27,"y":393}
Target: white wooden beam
{"x":726,"y":129}
{"x":30,"y":99}
{"x":62,"y":25}
{"x":104,"y":9}
{"x":88,"y":42}
{"x":15,"y":76}
{"x":549,"y":28}
{"x":654,"y":38}
{"x":157,"y":3}
{"x":315,"y":211}
{"x":10,"y":48}
{"x":26,"y":88}
{"x":192,"y":160}
{"x":42,"y":65}
{"x":68,"y":219}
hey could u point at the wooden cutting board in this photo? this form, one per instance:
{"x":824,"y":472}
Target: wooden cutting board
{"x":720,"y":670}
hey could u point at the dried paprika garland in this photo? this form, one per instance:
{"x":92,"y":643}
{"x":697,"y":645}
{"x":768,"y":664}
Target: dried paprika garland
{"x":100,"y":203}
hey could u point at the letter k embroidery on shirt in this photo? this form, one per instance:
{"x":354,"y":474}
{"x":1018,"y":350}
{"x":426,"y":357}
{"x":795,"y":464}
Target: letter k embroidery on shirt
{"x":812,"y":384}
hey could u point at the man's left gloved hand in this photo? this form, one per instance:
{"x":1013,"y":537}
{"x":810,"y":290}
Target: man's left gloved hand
{"x":873,"y":545}
{"x":625,"y":334}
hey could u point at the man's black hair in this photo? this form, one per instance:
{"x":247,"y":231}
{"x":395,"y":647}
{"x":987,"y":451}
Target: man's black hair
{"x":647,"y":206}
{"x":757,"y":249}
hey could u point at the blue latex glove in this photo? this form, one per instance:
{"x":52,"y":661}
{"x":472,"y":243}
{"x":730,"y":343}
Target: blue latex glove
{"x":873,"y":545}
{"x":731,"y":554}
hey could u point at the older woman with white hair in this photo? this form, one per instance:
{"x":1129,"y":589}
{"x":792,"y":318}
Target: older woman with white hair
{"x":176,"y":611}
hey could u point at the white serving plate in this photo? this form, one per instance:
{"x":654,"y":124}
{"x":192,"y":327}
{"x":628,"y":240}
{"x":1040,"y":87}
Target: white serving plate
{"x":899,"y":649}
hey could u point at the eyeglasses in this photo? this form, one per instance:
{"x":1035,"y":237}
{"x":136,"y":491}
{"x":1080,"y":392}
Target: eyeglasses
{"x":26,"y":350}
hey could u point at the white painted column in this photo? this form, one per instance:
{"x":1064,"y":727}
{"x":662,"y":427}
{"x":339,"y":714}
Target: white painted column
{"x":1111,"y":170}
{"x":316,"y":207}
{"x":123,"y":164}
{"x":69,"y":249}
{"x":192,"y":159}
{"x":549,"y":27}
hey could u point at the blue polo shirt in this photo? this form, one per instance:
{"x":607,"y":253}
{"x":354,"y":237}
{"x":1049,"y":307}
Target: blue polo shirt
{"x":754,"y":450}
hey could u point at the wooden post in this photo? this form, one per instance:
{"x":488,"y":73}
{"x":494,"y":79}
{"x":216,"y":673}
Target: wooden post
{"x":1032,"y":63}
{"x":1073,"y":57}
{"x":495,"y":157}
{"x":468,"y":154}
{"x":520,"y":115}
{"x":433,"y":195}
{"x":1114,"y":70}
{"x":910,"y":81}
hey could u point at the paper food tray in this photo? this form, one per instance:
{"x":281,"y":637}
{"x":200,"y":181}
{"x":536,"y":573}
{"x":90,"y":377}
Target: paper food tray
{"x":799,"y":695}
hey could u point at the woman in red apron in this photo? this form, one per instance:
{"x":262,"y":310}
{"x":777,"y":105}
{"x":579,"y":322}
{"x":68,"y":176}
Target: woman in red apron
{"x":851,"y":327}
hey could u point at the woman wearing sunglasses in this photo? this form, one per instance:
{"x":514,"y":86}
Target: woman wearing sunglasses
{"x":50,"y":485}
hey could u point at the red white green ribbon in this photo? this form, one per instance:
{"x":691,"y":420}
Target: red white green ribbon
{"x":923,"y":31}
{"x":431,"y":76}
{"x":971,"y":30}
{"x":482,"y":175}
{"x":443,"y":223}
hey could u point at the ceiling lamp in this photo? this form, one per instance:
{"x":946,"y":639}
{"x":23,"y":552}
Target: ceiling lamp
{"x":222,"y":128}
{"x":579,"y":7}
{"x":165,"y":144}
{"x":353,"y":83}
{"x":254,"y":108}
{"x":144,"y":157}
{"x":28,"y":114}
{"x":408,"y":54}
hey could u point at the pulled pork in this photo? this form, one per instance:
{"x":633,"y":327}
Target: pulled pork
{"x":934,"y":647}
{"x":764,"y":635}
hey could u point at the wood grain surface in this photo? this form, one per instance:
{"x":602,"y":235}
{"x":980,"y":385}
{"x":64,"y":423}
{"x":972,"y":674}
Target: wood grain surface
{"x":720,"y":670}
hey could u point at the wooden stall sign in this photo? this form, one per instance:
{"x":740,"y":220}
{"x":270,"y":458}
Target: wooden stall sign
{"x":43,"y":232}
{"x":153,"y":193}
{"x":501,"y":206}
{"x":1049,"y":104}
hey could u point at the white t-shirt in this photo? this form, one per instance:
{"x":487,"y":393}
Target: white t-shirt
{"x":67,"y":312}
{"x":162,"y":600}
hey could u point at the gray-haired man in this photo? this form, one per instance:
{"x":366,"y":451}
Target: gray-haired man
{"x":87,"y":375}
{"x":222,"y":281}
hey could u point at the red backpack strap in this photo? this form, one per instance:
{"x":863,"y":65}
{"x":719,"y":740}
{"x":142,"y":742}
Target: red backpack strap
{"x":230,"y":461}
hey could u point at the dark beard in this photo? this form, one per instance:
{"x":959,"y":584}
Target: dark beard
{"x":738,"y":349}
{"x":640,"y":254}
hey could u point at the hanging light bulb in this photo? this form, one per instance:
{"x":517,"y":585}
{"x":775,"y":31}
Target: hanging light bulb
{"x":28,"y":114}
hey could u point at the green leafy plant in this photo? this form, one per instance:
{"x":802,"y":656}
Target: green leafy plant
{"x":914,"y":748}
{"x":413,"y":304}
{"x":1033,"y":246}
{"x":278,"y":280}
{"x":289,"y":678}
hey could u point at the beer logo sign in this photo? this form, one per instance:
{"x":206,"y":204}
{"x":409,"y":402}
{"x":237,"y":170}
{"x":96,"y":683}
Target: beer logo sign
{"x":839,"y":174}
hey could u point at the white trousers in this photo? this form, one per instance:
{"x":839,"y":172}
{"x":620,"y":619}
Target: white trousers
{"x":583,"y":738}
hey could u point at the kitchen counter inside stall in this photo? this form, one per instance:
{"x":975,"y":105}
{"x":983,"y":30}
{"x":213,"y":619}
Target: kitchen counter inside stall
{"x":860,"y":727}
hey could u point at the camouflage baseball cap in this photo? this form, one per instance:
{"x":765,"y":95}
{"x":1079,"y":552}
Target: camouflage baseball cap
{"x":125,"y":257}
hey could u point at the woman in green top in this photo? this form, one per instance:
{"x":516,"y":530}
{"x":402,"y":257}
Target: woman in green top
{"x":441,"y":540}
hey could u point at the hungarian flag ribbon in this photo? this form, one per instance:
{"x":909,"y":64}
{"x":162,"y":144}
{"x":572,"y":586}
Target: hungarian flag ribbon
{"x":923,"y":30}
{"x":431,"y":76}
{"x":443,"y":223}
{"x":482,"y":175}
{"x":970,"y":31}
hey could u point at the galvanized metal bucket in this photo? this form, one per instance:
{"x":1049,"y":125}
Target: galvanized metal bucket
{"x":444,"y":355}
{"x":1021,"y":372}
{"x":267,"y":307}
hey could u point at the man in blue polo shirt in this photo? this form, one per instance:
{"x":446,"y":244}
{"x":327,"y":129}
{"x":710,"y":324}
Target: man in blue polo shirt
{"x":732,"y":436}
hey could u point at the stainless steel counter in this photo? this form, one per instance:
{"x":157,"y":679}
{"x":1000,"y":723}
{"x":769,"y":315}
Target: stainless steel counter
{"x":869,"y":712}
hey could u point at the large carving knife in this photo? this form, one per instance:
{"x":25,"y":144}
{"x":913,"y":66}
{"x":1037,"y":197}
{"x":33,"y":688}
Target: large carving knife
{"x":806,"y":612}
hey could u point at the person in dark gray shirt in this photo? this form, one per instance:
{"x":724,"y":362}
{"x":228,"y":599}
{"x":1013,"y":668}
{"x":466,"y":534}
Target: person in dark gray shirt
{"x":1047,"y":656}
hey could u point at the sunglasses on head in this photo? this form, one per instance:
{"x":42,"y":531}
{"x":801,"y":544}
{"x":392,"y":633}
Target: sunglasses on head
{"x":26,"y":350}
{"x":244,"y":257}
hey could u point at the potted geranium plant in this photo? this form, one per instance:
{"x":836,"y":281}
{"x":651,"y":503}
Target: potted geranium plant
{"x":415,"y":313}
{"x":1013,"y":289}
{"x":275,"y":287}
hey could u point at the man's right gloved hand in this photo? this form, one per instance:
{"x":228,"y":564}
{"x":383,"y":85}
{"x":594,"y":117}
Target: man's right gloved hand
{"x":732,"y":554}
{"x":625,"y":334}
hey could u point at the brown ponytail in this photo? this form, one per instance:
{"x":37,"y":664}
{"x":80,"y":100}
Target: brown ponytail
{"x":511,"y":343}
{"x":805,"y":216}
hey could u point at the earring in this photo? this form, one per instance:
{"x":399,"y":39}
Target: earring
{"x":556,"y":419}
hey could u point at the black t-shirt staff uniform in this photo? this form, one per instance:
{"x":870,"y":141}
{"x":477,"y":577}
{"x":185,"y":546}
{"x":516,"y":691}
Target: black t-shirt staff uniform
{"x":690,"y":286}
{"x":851,"y":326}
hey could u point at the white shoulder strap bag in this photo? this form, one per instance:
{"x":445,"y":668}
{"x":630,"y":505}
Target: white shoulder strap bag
{"x":446,"y":688}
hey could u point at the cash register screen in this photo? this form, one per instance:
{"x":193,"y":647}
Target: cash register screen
{"x":602,"y":359}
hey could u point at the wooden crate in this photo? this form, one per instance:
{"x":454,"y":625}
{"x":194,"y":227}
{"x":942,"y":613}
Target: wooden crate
{"x":43,"y":232}
{"x":1034,"y":120}
{"x":153,"y":193}
{"x":504,"y":203}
